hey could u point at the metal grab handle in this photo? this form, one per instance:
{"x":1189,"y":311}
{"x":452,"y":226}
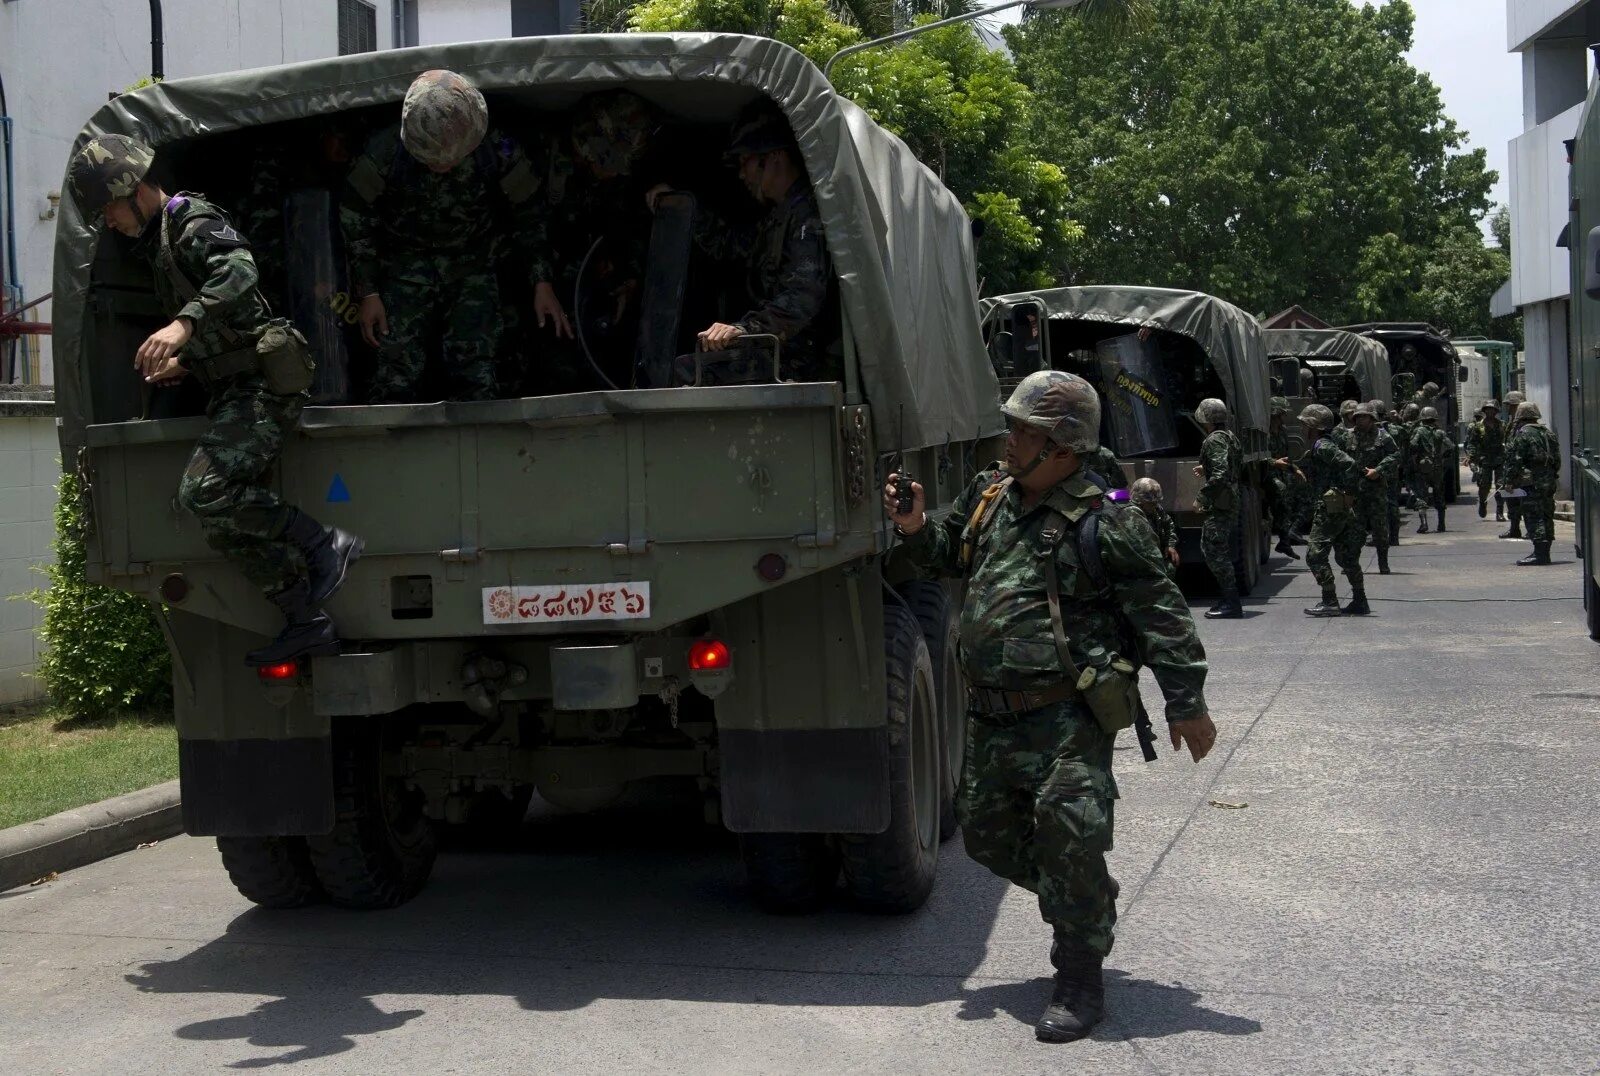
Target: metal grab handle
{"x":705,"y":358}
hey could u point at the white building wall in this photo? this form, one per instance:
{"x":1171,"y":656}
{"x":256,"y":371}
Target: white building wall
{"x":62,"y":58}
{"x":1538,"y":160}
{"x":442,"y":22}
{"x":1527,"y":19}
{"x":1548,"y":372}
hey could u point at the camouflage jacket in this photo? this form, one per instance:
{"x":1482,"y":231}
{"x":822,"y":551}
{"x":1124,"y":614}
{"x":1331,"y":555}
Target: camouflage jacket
{"x":578,"y":208}
{"x":790,"y":277}
{"x":1161,"y":523}
{"x":1403,"y":433}
{"x":1533,"y":459}
{"x":1222,"y":468}
{"x":1431,"y":449}
{"x":1376,"y":450}
{"x":393,"y":205}
{"x":1486,"y":445}
{"x":216,"y":260}
{"x":1006,"y":636}
{"x":1328,"y":466}
{"x":1104,"y":463}
{"x":1278,"y":446}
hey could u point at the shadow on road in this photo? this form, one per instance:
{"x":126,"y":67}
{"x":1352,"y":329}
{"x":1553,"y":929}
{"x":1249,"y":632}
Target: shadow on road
{"x":1135,"y":1008}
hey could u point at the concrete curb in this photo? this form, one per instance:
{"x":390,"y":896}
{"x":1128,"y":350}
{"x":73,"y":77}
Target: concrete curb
{"x":86,"y":834}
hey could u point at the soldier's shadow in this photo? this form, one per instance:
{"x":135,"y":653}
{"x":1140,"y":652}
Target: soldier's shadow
{"x":1135,"y":1008}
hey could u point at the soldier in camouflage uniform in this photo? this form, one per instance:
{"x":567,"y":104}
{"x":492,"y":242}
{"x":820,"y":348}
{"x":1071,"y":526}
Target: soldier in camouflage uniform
{"x":1287,"y":484}
{"x":423,"y":207}
{"x":1037,"y":793}
{"x":1104,"y":463}
{"x":1486,"y":452}
{"x":1377,"y":457}
{"x":1220,"y":470}
{"x":1403,"y":432}
{"x":1514,"y":400}
{"x":790,"y":277}
{"x":1332,"y":476}
{"x":1147,"y":497}
{"x":1533,"y":464}
{"x":1433,"y":451}
{"x":205,"y":281}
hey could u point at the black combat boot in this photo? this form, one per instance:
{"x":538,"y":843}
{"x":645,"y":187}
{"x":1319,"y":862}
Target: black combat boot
{"x":1383,"y":561}
{"x":1440,"y":513}
{"x":1483,"y":506}
{"x":1079,"y":999}
{"x":329,"y":552}
{"x":1358,"y":603}
{"x":1499,"y":509}
{"x":1514,"y":513}
{"x":1540,"y":555}
{"x":306,"y":630}
{"x":1422,"y":521}
{"x":1328,"y":606}
{"x":1227,"y":607}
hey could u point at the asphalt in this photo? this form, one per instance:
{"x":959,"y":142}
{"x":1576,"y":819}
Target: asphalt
{"x":1387,"y":866}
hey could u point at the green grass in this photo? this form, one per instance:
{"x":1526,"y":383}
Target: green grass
{"x":49,"y":763}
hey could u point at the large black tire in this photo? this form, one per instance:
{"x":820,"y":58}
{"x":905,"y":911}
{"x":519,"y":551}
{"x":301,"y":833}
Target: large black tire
{"x":381,"y":849}
{"x":274,"y":872}
{"x":939,"y":620}
{"x":1247,"y":565}
{"x":893,"y":871}
{"x":790,"y":873}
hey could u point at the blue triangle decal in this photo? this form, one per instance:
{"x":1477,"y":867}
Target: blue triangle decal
{"x":338,"y":493}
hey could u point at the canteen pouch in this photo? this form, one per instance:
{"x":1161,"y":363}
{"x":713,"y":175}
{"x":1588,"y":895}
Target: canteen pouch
{"x":1111,"y":692}
{"x":285,"y":357}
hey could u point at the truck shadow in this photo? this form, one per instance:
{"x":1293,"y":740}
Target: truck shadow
{"x":638,"y":904}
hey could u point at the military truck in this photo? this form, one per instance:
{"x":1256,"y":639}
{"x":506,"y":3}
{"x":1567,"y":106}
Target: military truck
{"x":1154,"y":354}
{"x":1326,"y":366}
{"x":565,"y":594}
{"x":1582,"y":432}
{"x":1418,"y":354}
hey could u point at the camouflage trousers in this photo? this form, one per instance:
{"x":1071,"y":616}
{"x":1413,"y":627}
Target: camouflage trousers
{"x":1343,"y":534}
{"x":453,"y":300}
{"x":225,"y":485}
{"x":1428,"y":487}
{"x":1217,"y":533}
{"x":1538,"y":515}
{"x":1487,"y":479}
{"x":1286,"y":502}
{"x":1372,"y":511}
{"x":1037,"y":806}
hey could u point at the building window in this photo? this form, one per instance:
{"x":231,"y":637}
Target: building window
{"x":358,"y":27}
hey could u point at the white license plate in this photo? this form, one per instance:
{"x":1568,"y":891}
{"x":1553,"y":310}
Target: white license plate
{"x":566,"y":603}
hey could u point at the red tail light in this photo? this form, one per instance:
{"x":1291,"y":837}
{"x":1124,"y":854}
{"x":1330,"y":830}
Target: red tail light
{"x":286,"y":670}
{"x":709,"y":655}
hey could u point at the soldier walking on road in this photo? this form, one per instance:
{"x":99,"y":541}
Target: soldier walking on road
{"x":1533,"y":466}
{"x":1037,"y":792}
{"x":1332,"y":476}
{"x":1377,"y":458}
{"x":1486,"y":451}
{"x":1146,"y":496}
{"x":255,"y":367}
{"x":1514,"y":400}
{"x":1287,"y":482}
{"x":1404,"y":432}
{"x":1434,"y":453}
{"x":1220,"y":470}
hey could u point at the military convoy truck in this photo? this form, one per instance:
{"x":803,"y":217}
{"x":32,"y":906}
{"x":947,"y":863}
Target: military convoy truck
{"x":565,"y":594}
{"x":1418,"y":354}
{"x":1154,"y":354}
{"x":1583,"y":433}
{"x":1326,"y":366}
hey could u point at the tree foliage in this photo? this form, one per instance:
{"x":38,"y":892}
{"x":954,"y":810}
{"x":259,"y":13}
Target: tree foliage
{"x":1267,"y":151}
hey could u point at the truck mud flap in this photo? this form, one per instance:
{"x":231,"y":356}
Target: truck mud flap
{"x":256,"y":788}
{"x":805,"y":780}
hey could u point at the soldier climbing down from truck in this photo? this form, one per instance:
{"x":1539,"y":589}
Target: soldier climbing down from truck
{"x":256,"y":369}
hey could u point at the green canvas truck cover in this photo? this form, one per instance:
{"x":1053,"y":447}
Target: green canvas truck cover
{"x":1366,"y":359}
{"x":900,"y":241}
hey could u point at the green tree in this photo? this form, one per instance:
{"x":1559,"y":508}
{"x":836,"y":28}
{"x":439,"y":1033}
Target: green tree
{"x":1267,"y":151}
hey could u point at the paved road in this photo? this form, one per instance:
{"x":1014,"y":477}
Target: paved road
{"x":1411,"y":888}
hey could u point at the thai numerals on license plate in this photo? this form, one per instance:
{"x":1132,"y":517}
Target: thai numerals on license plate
{"x":555,"y":604}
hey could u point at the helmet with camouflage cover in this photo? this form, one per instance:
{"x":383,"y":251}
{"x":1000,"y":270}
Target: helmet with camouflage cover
{"x":1348,"y":408}
{"x":1064,"y":406}
{"x":612,"y":130}
{"x":1211,"y":412}
{"x":1430,"y":414}
{"x":1527,"y":411}
{"x":1371,"y":409}
{"x":1514,"y":398}
{"x":1280,"y":405}
{"x":108,"y":168}
{"x":1411,"y":412}
{"x":760,"y":129}
{"x":1145,"y":491}
{"x":1490,"y":407}
{"x":443,"y":119}
{"x":1318,"y":417}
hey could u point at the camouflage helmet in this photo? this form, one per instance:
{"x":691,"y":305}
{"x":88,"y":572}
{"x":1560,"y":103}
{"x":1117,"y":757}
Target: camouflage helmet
{"x":1064,"y":406}
{"x":1280,"y":406}
{"x":1211,"y":412}
{"x":1430,"y":388}
{"x":1514,"y":398}
{"x":1348,"y":408}
{"x":108,"y":168}
{"x":612,"y":131}
{"x":1371,"y":409}
{"x":1429,"y":414}
{"x":759,"y":130}
{"x":1145,"y":491}
{"x":443,"y":120}
{"x":1490,"y":405}
{"x":1411,"y":412}
{"x":1318,"y":417}
{"x":1527,"y":411}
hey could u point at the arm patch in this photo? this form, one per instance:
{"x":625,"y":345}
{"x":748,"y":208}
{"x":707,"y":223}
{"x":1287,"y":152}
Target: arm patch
{"x":217,"y":234}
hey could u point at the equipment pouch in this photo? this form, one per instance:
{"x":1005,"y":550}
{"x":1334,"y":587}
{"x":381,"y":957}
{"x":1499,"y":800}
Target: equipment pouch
{"x":286,"y":362}
{"x":1336,"y":501}
{"x":1112,"y":694}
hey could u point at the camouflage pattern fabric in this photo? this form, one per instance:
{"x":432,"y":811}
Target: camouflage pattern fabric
{"x":1375,"y":450}
{"x":1037,"y":790}
{"x":1433,"y":452}
{"x":1533,"y":463}
{"x":1166,"y":531}
{"x":1486,"y":453}
{"x":445,"y":299}
{"x":443,"y":118}
{"x":1285,"y":489}
{"x":106,"y":169}
{"x":790,"y":279}
{"x":1103,"y":462}
{"x":1222,"y":463}
{"x":1337,"y":530}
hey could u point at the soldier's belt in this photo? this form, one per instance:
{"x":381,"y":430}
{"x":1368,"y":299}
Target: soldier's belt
{"x":990,"y":700}
{"x":214,"y":368}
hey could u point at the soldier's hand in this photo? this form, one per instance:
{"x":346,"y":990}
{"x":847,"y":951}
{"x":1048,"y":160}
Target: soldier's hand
{"x":1172,"y":555}
{"x":374,"y":319}
{"x":547,"y":306}
{"x":171,"y":370}
{"x":1372,"y":474}
{"x":1198,"y":734}
{"x":1199,"y":471}
{"x":719,"y":336}
{"x":655,"y":192}
{"x":161,"y":345}
{"x":911,"y":522}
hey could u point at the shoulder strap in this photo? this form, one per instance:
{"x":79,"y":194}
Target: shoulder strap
{"x":981,"y":515}
{"x":1052,"y":538}
{"x":1089,"y":558}
{"x":181,"y":283}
